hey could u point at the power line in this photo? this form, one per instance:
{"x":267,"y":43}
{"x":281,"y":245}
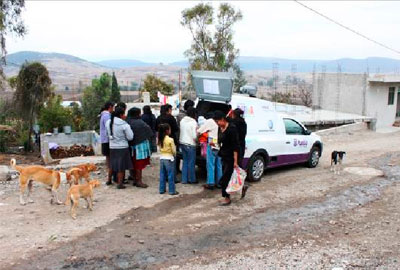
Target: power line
{"x":348,"y":28}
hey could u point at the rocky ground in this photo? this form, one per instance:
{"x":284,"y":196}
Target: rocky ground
{"x":295,"y":218}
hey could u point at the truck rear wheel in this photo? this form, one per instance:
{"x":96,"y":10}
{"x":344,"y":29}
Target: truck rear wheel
{"x":256,"y":168}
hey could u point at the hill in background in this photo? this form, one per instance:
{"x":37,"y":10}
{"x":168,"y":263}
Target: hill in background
{"x":70,"y":72}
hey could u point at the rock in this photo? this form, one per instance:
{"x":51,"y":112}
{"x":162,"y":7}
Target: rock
{"x":197,"y":226}
{"x":151,"y":259}
{"x":5,"y":173}
{"x":127,"y":235}
{"x":141,"y":242}
{"x":123,"y":265}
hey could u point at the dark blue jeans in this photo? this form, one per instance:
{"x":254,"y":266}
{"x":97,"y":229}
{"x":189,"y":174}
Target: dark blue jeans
{"x":214,"y":167}
{"x":189,"y":164}
{"x":167,"y":170}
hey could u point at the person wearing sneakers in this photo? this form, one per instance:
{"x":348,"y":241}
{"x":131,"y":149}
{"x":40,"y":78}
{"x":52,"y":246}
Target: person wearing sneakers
{"x":119,"y":133}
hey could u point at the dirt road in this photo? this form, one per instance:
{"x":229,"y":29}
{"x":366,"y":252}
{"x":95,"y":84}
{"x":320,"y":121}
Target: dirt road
{"x":295,"y":218}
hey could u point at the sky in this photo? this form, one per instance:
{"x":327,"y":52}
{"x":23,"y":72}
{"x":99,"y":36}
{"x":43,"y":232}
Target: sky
{"x":150,"y":30}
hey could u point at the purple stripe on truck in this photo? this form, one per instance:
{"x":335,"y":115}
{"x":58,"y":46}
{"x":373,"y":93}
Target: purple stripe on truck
{"x":288,"y":159}
{"x":281,"y":160}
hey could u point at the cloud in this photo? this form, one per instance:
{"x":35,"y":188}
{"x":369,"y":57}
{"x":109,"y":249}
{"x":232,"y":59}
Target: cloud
{"x":151,"y":30}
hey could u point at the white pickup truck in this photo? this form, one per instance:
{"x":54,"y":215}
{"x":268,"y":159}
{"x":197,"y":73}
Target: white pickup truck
{"x":272,"y":139}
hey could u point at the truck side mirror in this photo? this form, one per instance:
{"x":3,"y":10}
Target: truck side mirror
{"x":307,"y":132}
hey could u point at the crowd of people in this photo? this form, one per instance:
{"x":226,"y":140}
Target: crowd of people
{"x":128,"y":140}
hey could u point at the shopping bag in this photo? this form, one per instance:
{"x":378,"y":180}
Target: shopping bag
{"x":237,"y":180}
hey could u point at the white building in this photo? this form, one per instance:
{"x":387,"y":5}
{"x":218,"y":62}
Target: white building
{"x":373,"y":96}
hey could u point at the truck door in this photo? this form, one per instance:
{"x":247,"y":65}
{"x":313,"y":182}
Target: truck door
{"x":296,"y":141}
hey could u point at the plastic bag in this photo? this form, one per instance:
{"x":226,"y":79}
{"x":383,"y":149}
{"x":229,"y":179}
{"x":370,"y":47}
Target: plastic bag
{"x":237,"y":180}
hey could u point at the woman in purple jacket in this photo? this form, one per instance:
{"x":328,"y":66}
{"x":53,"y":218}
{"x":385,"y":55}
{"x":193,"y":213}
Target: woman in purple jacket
{"x":105,"y":115}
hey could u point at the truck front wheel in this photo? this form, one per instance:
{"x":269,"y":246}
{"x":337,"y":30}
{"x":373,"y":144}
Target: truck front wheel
{"x":313,"y":160}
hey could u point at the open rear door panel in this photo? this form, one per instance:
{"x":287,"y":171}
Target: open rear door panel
{"x":213,"y":86}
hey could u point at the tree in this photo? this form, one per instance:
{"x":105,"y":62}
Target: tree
{"x":305,"y":95}
{"x":282,"y":97}
{"x":54,"y":115}
{"x":211,"y":49}
{"x":10,"y":23}
{"x":94,"y":97}
{"x":77,"y":117}
{"x":115,"y":94}
{"x":152,"y":84}
{"x":33,"y":88}
{"x":239,"y":80}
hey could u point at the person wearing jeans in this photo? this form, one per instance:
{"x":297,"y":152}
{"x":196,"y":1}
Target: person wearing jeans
{"x":214,"y":167}
{"x":213,"y":161}
{"x":189,"y":163}
{"x":188,"y":140}
{"x":167,"y":171}
{"x":167,"y":159}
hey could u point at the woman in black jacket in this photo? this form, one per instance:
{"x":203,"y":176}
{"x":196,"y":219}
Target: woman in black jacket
{"x":228,"y":140}
{"x":140,"y":145}
{"x":241,"y":126}
{"x":149,"y":118}
{"x":167,"y":118}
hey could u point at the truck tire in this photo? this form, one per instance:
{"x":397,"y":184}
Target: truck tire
{"x":313,"y":160}
{"x":256,"y":168}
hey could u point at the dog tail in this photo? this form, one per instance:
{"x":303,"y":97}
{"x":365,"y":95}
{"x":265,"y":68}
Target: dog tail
{"x":13,"y":165}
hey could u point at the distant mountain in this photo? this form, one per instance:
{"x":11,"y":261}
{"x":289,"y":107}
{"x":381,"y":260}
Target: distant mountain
{"x":124,"y":63}
{"x":58,"y":62}
{"x":373,"y":64}
{"x":20,"y":57}
{"x":66,"y":71}
{"x":183,"y":64}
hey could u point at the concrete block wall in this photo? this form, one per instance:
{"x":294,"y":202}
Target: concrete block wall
{"x":351,"y":95}
{"x":377,"y":103}
{"x":343,"y":129}
{"x":67,"y":140}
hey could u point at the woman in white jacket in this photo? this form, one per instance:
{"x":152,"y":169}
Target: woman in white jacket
{"x":119,"y":133}
{"x":188,"y":141}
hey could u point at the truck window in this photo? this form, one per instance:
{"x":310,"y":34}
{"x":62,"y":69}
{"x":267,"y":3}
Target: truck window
{"x":292,"y":127}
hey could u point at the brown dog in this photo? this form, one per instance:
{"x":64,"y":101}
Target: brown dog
{"x":40,"y":174}
{"x":77,"y":174}
{"x":82,"y":171}
{"x":81,"y":191}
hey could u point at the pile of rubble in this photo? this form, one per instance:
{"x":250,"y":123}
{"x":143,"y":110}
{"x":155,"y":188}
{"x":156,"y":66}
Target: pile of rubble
{"x":73,"y":151}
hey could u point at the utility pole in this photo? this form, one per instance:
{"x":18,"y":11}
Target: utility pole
{"x":275,"y":70}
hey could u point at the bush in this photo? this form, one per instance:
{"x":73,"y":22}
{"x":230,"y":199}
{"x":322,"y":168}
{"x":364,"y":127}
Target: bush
{"x":94,"y":97}
{"x":78,"y":123}
{"x":153,"y":85}
{"x":7,"y":117}
{"x":54,"y":115}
